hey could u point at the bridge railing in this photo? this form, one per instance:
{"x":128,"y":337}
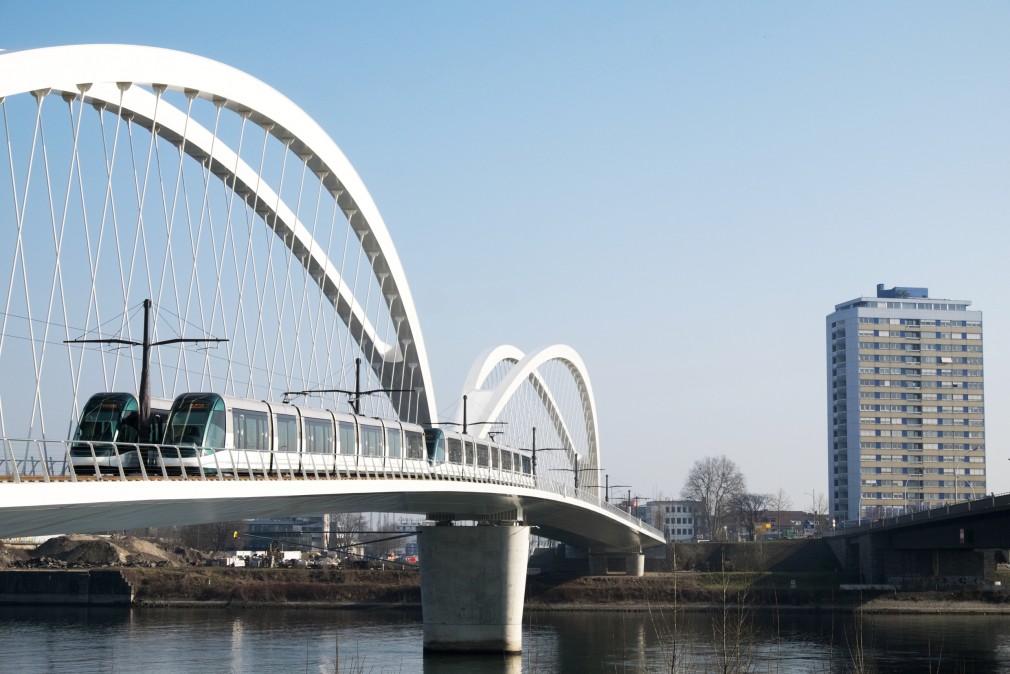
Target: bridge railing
{"x":566,"y":489}
{"x":25,"y":460}
{"x":936,"y":511}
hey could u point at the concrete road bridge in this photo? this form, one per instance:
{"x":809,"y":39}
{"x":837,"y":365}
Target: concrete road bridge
{"x":171,"y":225}
{"x":953,"y":545}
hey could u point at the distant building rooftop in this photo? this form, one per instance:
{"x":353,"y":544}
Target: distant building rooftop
{"x":905,"y":295}
{"x":899,"y":291}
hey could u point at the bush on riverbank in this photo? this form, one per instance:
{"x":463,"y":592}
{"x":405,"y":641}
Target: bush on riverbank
{"x":218,"y":584}
{"x":790,"y":556}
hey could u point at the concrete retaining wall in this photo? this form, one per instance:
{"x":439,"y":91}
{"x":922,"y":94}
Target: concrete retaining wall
{"x":95,"y":587}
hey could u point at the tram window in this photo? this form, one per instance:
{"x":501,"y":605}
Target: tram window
{"x":197,"y":422}
{"x":482,"y":455}
{"x":393,"y":442}
{"x":348,"y":438}
{"x":251,"y":430}
{"x":371,"y":441}
{"x":128,"y":431}
{"x":506,"y":460}
{"x":287,"y":433}
{"x":318,"y":436}
{"x":156,"y":426}
{"x":494,"y":458}
{"x":434,"y":442}
{"x":469,"y":453}
{"x":415,"y":445}
{"x":455,"y":451}
{"x":215,"y":429}
{"x":527,"y":465}
{"x":94,"y":430}
{"x":100,"y":421}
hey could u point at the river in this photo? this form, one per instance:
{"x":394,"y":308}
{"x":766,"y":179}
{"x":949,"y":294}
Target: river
{"x":277,"y":640}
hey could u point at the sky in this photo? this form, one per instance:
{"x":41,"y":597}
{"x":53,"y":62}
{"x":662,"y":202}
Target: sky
{"x":680,"y":191}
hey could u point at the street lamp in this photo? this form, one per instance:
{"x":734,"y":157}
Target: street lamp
{"x":970,"y":486}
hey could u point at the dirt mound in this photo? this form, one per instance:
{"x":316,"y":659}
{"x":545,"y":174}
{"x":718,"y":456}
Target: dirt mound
{"x":11,"y":555}
{"x":82,"y":550}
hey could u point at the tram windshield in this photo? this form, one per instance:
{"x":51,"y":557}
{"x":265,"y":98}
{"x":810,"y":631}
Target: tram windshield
{"x":108,"y":417}
{"x":196,"y":420}
{"x":434,"y":440}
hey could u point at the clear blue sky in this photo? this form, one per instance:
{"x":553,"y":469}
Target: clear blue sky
{"x":681,"y":191}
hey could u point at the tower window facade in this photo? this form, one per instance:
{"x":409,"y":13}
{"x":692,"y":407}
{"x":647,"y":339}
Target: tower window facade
{"x":906,"y":404}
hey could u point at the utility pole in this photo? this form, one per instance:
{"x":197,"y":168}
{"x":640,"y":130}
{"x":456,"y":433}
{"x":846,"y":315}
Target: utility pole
{"x":357,"y":392}
{"x":534,"y":450}
{"x":467,"y":424}
{"x":144,"y":394}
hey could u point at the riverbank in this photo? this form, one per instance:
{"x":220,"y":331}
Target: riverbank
{"x":369,"y":589}
{"x":243,"y":588}
{"x":783,"y":576}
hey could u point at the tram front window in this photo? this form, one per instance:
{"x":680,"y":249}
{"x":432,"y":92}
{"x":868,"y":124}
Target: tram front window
{"x":196,"y":423}
{"x":434,"y":440}
{"x":106,"y":418}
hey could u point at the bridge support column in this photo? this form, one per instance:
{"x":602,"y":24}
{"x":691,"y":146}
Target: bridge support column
{"x":872,"y":555}
{"x":634,"y":564}
{"x":473,"y":582}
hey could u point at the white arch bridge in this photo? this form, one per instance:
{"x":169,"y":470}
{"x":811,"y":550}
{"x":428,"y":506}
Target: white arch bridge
{"x":132,"y":174}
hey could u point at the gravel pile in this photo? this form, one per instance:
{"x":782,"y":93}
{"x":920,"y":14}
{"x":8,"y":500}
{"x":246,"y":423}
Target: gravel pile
{"x":84,"y":551}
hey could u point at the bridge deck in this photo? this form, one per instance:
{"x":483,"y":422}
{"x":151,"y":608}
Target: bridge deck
{"x":43,"y":493}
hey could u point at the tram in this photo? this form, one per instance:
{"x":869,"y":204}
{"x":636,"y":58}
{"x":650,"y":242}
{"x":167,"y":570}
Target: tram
{"x":108,"y":435}
{"x":217,"y":434}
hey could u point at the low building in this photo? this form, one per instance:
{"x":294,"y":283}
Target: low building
{"x":678,"y":520}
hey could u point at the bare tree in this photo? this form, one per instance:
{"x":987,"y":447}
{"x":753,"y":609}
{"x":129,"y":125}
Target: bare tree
{"x":819,"y":510}
{"x":714,"y":482}
{"x":347,"y":530}
{"x":381,"y":544}
{"x":780,"y":501}
{"x":748,"y":509}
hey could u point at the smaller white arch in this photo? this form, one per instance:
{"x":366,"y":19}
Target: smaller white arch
{"x":488,"y":361}
{"x":492,"y":403}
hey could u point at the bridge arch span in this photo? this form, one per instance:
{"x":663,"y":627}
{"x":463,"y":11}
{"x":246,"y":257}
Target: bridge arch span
{"x":105,"y":75}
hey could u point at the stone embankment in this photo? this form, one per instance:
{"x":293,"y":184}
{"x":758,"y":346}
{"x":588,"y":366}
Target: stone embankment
{"x":93,"y":587}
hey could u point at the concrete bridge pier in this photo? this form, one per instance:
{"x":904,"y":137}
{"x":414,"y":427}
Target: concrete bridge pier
{"x":634,"y":564}
{"x":473,"y":583}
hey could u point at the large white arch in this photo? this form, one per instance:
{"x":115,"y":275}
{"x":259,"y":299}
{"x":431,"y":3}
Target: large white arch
{"x":199,"y":143}
{"x":80,"y":68}
{"x":491,"y":403}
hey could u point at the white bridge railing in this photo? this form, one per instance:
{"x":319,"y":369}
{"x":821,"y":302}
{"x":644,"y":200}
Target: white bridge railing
{"x":34,"y":461}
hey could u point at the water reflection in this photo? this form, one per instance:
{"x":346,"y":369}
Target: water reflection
{"x":447,"y":663}
{"x":48,"y":639}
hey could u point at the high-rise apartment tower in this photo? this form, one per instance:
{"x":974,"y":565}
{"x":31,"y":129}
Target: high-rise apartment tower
{"x":906,"y":410}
